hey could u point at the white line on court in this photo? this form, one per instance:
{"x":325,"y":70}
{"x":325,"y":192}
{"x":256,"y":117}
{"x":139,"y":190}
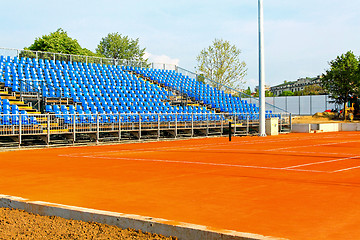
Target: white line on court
{"x":313,"y":145}
{"x":345,"y":169}
{"x":200,"y":146}
{"x":205,"y":163}
{"x":315,"y":163}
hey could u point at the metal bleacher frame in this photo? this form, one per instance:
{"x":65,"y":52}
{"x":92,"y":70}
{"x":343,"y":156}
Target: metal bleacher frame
{"x":51,"y":129}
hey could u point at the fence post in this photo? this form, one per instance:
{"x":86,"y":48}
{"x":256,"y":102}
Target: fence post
{"x":176,"y":115}
{"x":74,"y":128}
{"x":20,"y":126}
{"x":299,"y":106}
{"x":192,"y":124}
{"x":158,"y":117}
{"x":119,"y":118}
{"x":97,"y":128}
{"x":48,"y":129}
{"x":222,"y":124}
{"x":326,"y":99}
{"x":247,"y":124}
{"x":207,"y":124}
{"x":310,"y":104}
{"x":139,"y":126}
{"x":230,"y":131}
{"x":235,"y":124}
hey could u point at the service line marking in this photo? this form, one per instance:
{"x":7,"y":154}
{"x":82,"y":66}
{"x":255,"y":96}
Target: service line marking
{"x":345,"y":169}
{"x":205,"y":163}
{"x":322,"y":162}
{"x":313,"y":145}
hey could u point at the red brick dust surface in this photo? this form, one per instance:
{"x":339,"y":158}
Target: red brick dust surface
{"x":297,"y":186}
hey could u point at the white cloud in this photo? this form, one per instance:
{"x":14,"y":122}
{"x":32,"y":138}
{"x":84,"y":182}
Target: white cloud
{"x":161,"y":59}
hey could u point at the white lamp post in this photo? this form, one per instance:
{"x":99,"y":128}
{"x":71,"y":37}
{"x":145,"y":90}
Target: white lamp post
{"x":261,"y":71}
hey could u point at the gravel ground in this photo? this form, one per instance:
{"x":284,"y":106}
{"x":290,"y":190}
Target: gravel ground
{"x":18,"y":224}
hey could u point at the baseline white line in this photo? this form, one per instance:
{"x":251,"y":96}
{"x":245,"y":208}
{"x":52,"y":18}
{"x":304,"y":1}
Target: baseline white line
{"x":315,"y":163}
{"x":205,"y":163}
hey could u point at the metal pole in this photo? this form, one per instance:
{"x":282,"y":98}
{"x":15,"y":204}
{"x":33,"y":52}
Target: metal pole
{"x":74,"y":128}
{"x":230,"y":131}
{"x":192,"y":124}
{"x":261,"y":71}
{"x":158,"y":118}
{"x":222,"y":124}
{"x":20,"y":126}
{"x":119,"y":127}
{"x":139,"y":126}
{"x":97,"y":128}
{"x":48,"y":129}
{"x":176,"y":131}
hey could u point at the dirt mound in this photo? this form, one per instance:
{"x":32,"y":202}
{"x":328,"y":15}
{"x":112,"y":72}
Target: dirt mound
{"x":17,"y":224}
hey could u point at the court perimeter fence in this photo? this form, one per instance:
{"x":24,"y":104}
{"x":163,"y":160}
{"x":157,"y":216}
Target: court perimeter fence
{"x":301,"y":105}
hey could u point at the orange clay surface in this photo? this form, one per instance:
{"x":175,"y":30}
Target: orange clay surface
{"x":297,"y":186}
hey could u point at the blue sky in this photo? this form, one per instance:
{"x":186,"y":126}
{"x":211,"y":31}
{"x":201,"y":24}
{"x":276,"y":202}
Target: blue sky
{"x":301,"y":37}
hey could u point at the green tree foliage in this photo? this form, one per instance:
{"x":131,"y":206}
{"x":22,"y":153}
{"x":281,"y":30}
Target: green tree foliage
{"x":114,"y":45}
{"x":221,"y":63}
{"x":200,"y":78}
{"x":267,"y":94}
{"x":313,"y":90}
{"x":59,"y":42}
{"x":287,"y":93}
{"x":248,"y":91}
{"x":342,"y":80}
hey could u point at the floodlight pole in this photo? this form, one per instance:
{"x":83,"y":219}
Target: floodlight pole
{"x":261,"y":71}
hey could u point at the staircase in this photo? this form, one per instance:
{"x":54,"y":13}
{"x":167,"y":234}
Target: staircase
{"x":14,"y":99}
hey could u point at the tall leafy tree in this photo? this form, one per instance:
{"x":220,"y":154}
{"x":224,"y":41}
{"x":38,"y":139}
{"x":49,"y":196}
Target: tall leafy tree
{"x":342,"y":79}
{"x":221,"y":63}
{"x":59,"y":42}
{"x":114,"y":45}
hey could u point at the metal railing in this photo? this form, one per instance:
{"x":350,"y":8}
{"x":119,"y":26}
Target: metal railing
{"x":232,"y":91}
{"x":137,"y":125}
{"x":19,"y":53}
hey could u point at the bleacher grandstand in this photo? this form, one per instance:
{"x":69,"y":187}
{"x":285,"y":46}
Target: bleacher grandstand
{"x":52,"y":99}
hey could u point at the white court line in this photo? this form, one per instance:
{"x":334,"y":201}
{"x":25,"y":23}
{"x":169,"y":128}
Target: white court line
{"x":315,"y":163}
{"x":206,"y":163}
{"x":345,"y":169}
{"x":200,"y":146}
{"x":313,"y":145}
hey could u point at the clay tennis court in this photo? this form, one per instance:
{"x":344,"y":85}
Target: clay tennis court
{"x":297,"y":186}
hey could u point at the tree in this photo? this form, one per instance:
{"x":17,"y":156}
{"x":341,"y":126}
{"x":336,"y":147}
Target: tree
{"x":248,"y":91}
{"x":342,"y":81}
{"x":267,"y":94}
{"x":200,"y":78}
{"x":287,"y":93}
{"x":313,"y":90}
{"x":114,"y":45}
{"x":59,"y":42}
{"x":221,"y":63}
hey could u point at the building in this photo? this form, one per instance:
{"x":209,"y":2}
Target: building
{"x":267,"y":88}
{"x":295,"y":86}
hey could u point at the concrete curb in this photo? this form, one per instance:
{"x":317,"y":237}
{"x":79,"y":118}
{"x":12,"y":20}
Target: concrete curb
{"x":164,"y":227}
